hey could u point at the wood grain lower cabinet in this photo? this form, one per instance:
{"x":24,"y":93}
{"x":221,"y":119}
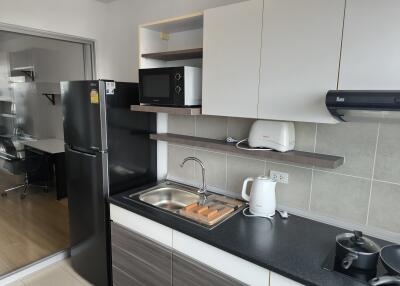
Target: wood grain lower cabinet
{"x":137,"y":260}
{"x":187,"y":271}
{"x":121,"y":278}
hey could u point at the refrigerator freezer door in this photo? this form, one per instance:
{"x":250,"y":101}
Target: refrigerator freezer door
{"x":84,"y":114}
{"x":87,"y":184}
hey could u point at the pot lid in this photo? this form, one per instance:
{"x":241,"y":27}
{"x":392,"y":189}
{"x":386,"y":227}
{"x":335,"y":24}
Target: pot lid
{"x":356,"y":242}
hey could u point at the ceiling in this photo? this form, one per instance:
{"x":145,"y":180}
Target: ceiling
{"x":5,"y":36}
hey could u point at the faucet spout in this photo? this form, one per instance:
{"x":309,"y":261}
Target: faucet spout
{"x":203,"y":190}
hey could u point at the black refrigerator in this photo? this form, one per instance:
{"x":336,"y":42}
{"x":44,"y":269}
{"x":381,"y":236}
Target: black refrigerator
{"x":108,"y":150}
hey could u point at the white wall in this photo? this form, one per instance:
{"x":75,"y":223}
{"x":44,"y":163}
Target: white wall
{"x":83,"y":18}
{"x":131,"y":13}
{"x":54,"y":61}
{"x":113,"y":26}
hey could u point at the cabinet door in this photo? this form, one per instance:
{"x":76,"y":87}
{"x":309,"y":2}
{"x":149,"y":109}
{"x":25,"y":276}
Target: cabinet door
{"x":187,"y":271}
{"x":278,"y":280}
{"x":300,"y":58}
{"x":231,"y":59}
{"x":371,"y":45}
{"x":139,"y":260}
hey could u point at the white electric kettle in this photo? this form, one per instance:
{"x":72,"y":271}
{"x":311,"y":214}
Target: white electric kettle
{"x":262,"y":200}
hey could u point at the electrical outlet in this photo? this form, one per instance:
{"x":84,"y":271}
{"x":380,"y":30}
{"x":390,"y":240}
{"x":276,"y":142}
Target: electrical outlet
{"x":279,"y":177}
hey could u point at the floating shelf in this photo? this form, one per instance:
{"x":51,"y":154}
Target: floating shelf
{"x":176,"y":55}
{"x":28,"y":71}
{"x":27,"y":68}
{"x":7,"y":115}
{"x":7,"y":99}
{"x":167,"y":109}
{"x":296,"y":157}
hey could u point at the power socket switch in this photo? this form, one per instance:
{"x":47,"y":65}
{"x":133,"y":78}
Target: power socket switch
{"x":279,"y":177}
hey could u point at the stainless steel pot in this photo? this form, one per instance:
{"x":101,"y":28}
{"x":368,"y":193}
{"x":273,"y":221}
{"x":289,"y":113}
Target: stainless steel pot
{"x":353,"y":250}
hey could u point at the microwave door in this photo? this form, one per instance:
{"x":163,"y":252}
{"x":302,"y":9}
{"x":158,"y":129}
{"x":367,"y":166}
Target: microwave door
{"x":159,"y":87}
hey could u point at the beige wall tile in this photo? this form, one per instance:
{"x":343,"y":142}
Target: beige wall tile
{"x":305,"y":136}
{"x":239,"y":128}
{"x":213,"y":127}
{"x":240,"y":168}
{"x":215,"y":164}
{"x":333,"y":194}
{"x":176,"y":154}
{"x":296,"y":194}
{"x":355,"y":141}
{"x":387,"y":166}
{"x":339,"y":196}
{"x":384,"y":211}
{"x":180,"y":124}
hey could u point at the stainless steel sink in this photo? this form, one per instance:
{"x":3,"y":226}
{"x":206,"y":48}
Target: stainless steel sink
{"x":174,"y":197}
{"x":169,"y":198}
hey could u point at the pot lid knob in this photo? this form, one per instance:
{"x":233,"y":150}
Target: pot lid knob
{"x":358,"y":237}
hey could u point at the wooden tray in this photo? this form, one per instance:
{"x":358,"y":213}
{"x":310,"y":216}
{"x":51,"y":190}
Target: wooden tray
{"x":208,"y":214}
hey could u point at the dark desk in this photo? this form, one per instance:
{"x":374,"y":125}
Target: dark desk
{"x":54,"y":148}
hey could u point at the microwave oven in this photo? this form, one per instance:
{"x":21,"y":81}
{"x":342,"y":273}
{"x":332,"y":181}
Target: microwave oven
{"x":170,"y":86}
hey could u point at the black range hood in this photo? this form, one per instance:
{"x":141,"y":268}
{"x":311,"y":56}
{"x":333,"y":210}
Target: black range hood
{"x":364,"y":105}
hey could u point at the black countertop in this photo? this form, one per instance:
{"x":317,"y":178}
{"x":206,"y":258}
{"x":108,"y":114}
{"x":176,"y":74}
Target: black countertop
{"x":295,"y":248}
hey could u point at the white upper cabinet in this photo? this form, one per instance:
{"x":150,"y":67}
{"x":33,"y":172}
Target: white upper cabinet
{"x":300,"y":57}
{"x":371,"y":45}
{"x":231,"y":59}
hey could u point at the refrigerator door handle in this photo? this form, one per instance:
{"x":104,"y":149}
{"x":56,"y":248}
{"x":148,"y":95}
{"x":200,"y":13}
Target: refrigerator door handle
{"x":81,"y":153}
{"x":97,"y":150}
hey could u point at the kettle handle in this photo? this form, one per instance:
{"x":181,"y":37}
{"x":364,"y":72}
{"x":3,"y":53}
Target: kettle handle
{"x":245,"y":196}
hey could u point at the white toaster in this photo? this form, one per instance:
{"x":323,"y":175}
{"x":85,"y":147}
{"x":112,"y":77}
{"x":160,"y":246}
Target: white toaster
{"x":277,"y":135}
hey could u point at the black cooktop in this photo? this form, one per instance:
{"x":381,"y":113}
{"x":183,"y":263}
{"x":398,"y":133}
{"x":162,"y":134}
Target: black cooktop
{"x":330,"y":264}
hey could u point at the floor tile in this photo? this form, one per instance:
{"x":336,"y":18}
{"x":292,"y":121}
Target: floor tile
{"x":66,"y":265}
{"x":59,"y":274}
{"x":16,"y":283}
{"x":53,"y":275}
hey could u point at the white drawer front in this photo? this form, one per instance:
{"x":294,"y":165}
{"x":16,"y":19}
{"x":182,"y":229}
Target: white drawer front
{"x":278,"y":280}
{"x":227,"y":263}
{"x":142,"y":225}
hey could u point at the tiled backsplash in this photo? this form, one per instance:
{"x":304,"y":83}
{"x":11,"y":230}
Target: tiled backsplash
{"x":365,"y":191}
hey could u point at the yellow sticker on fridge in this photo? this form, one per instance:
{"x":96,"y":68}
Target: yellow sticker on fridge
{"x":94,"y":96}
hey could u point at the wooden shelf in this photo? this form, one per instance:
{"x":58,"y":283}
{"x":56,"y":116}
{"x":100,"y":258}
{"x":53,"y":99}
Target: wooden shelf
{"x":296,"y":157}
{"x":177,"y":24}
{"x":176,"y":55}
{"x":167,"y":109}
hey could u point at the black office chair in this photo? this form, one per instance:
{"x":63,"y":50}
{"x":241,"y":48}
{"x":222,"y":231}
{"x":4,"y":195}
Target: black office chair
{"x":34,"y":167}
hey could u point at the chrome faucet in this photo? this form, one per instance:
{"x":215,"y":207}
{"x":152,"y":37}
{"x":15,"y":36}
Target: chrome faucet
{"x":203,"y":189}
